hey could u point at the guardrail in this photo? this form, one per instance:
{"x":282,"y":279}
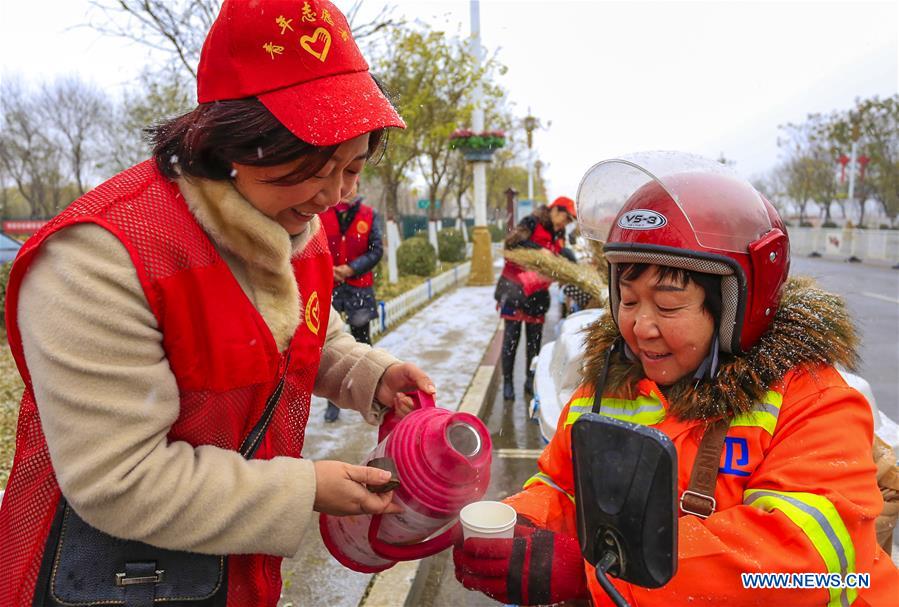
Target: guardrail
{"x":864,"y":244}
{"x":395,"y":310}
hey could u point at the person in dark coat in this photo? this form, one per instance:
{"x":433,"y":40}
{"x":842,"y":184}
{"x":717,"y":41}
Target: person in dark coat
{"x":522,"y":295}
{"x":354,"y":238}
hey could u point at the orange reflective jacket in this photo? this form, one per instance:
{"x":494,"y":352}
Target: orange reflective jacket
{"x":796,"y":493}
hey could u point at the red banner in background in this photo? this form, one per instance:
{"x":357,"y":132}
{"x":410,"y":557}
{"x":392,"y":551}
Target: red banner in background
{"x":23,"y":226}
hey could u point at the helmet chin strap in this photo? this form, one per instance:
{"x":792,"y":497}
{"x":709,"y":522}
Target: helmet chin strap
{"x":628,"y":353}
{"x":709,"y":365}
{"x":600,"y":385}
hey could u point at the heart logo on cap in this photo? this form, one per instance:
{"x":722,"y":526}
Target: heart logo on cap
{"x":307,"y":42}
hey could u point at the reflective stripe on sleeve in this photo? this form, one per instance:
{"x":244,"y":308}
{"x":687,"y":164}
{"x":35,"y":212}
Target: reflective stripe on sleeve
{"x":763,"y":415}
{"x":645,"y":410}
{"x":540,"y":477}
{"x":821,"y":523}
{"x":578,"y":407}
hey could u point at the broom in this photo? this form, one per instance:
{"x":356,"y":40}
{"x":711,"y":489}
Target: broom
{"x":583,"y":276}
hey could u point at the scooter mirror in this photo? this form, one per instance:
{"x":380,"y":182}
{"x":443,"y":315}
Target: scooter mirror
{"x":625,"y":479}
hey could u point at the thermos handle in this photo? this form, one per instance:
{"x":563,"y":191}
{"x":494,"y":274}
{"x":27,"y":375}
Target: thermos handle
{"x":407,"y":552}
{"x":421,"y":400}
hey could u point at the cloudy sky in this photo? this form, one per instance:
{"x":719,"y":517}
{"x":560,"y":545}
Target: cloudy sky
{"x":612,"y":77}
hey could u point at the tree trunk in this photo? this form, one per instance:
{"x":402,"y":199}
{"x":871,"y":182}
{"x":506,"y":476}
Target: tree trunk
{"x":391,"y":198}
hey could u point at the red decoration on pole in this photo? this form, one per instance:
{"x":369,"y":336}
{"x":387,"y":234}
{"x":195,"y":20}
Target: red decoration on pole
{"x":862,"y":161}
{"x":844,"y":160}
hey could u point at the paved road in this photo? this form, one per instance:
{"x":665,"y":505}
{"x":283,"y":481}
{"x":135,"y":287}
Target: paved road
{"x":516,"y":444}
{"x":872,"y":294}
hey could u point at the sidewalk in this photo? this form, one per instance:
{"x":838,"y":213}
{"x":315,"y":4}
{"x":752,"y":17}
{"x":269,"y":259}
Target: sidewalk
{"x":447,"y":339}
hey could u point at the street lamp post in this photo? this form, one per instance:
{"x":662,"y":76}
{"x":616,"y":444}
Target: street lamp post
{"x":481,"y":254}
{"x":853,"y":157}
{"x":531,"y":124}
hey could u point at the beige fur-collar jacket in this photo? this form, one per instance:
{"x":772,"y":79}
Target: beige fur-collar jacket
{"x":107,"y":397}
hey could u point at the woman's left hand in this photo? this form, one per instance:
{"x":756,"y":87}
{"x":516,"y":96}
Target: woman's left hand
{"x":344,"y":271}
{"x":399,"y":378}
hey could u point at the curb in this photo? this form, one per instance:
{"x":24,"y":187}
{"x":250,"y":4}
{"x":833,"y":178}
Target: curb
{"x":401,"y":585}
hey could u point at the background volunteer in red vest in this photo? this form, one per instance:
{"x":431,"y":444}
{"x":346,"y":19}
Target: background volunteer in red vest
{"x":522,"y":295}
{"x":166,"y":395}
{"x":354,"y":238}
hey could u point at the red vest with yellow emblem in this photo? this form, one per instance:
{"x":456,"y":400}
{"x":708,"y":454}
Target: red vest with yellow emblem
{"x":345,"y":247}
{"x":222,"y":353}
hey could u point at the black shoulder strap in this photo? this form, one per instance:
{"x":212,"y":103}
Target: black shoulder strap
{"x":251,"y":443}
{"x":600,"y":385}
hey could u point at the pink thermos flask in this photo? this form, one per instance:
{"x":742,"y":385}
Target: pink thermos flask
{"x":442,"y":460}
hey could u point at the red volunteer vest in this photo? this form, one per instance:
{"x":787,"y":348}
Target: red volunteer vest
{"x":222,"y":353}
{"x":354,"y":243}
{"x":542,"y":237}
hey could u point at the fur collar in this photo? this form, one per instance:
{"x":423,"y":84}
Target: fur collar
{"x":811,"y":327}
{"x":263,"y":246}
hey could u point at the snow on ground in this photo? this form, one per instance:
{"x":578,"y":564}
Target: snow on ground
{"x":447,"y":340}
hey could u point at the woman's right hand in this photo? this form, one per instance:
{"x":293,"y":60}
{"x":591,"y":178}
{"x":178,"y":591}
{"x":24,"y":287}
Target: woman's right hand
{"x":340,"y":490}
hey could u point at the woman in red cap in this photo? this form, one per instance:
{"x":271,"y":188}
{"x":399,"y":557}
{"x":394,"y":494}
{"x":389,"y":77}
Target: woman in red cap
{"x":167,"y":394}
{"x":523,"y":296}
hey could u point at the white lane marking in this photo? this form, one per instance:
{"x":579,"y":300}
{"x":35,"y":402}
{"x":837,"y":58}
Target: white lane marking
{"x":881,"y":297}
{"x":519,"y":453}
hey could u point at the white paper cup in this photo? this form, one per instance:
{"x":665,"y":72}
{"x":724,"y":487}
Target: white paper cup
{"x":487,"y":519}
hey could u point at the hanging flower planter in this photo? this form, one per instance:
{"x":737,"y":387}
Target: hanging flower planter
{"x":472,"y":155}
{"x":477,"y":147}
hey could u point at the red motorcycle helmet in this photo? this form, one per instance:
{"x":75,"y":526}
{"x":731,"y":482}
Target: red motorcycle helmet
{"x":684,"y":211}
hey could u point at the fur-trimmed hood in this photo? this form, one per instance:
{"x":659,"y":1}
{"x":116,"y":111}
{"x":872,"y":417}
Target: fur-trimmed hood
{"x":811,"y":327}
{"x":262,"y":246}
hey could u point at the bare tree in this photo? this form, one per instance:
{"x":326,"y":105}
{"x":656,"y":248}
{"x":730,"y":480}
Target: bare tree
{"x":810,"y":164}
{"x":75,"y":112}
{"x":157,"y":97}
{"x":179,"y":27}
{"x":366,"y":32}
{"x":773,"y":186}
{"x":5,"y":198}
{"x":874,"y":125}
{"x":28,"y":154}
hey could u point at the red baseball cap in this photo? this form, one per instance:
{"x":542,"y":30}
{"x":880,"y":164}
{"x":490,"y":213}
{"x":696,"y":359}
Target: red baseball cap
{"x":298,"y":57}
{"x":566,"y":204}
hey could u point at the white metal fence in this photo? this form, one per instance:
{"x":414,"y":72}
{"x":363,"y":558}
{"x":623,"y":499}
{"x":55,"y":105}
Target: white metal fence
{"x":864,"y":244}
{"x":391,"y":312}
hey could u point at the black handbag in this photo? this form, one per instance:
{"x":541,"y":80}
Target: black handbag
{"x":84,"y":567}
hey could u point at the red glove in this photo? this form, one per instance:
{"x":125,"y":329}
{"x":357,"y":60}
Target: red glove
{"x":536,"y":567}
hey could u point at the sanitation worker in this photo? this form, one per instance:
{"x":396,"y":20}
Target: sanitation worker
{"x":705,"y":330}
